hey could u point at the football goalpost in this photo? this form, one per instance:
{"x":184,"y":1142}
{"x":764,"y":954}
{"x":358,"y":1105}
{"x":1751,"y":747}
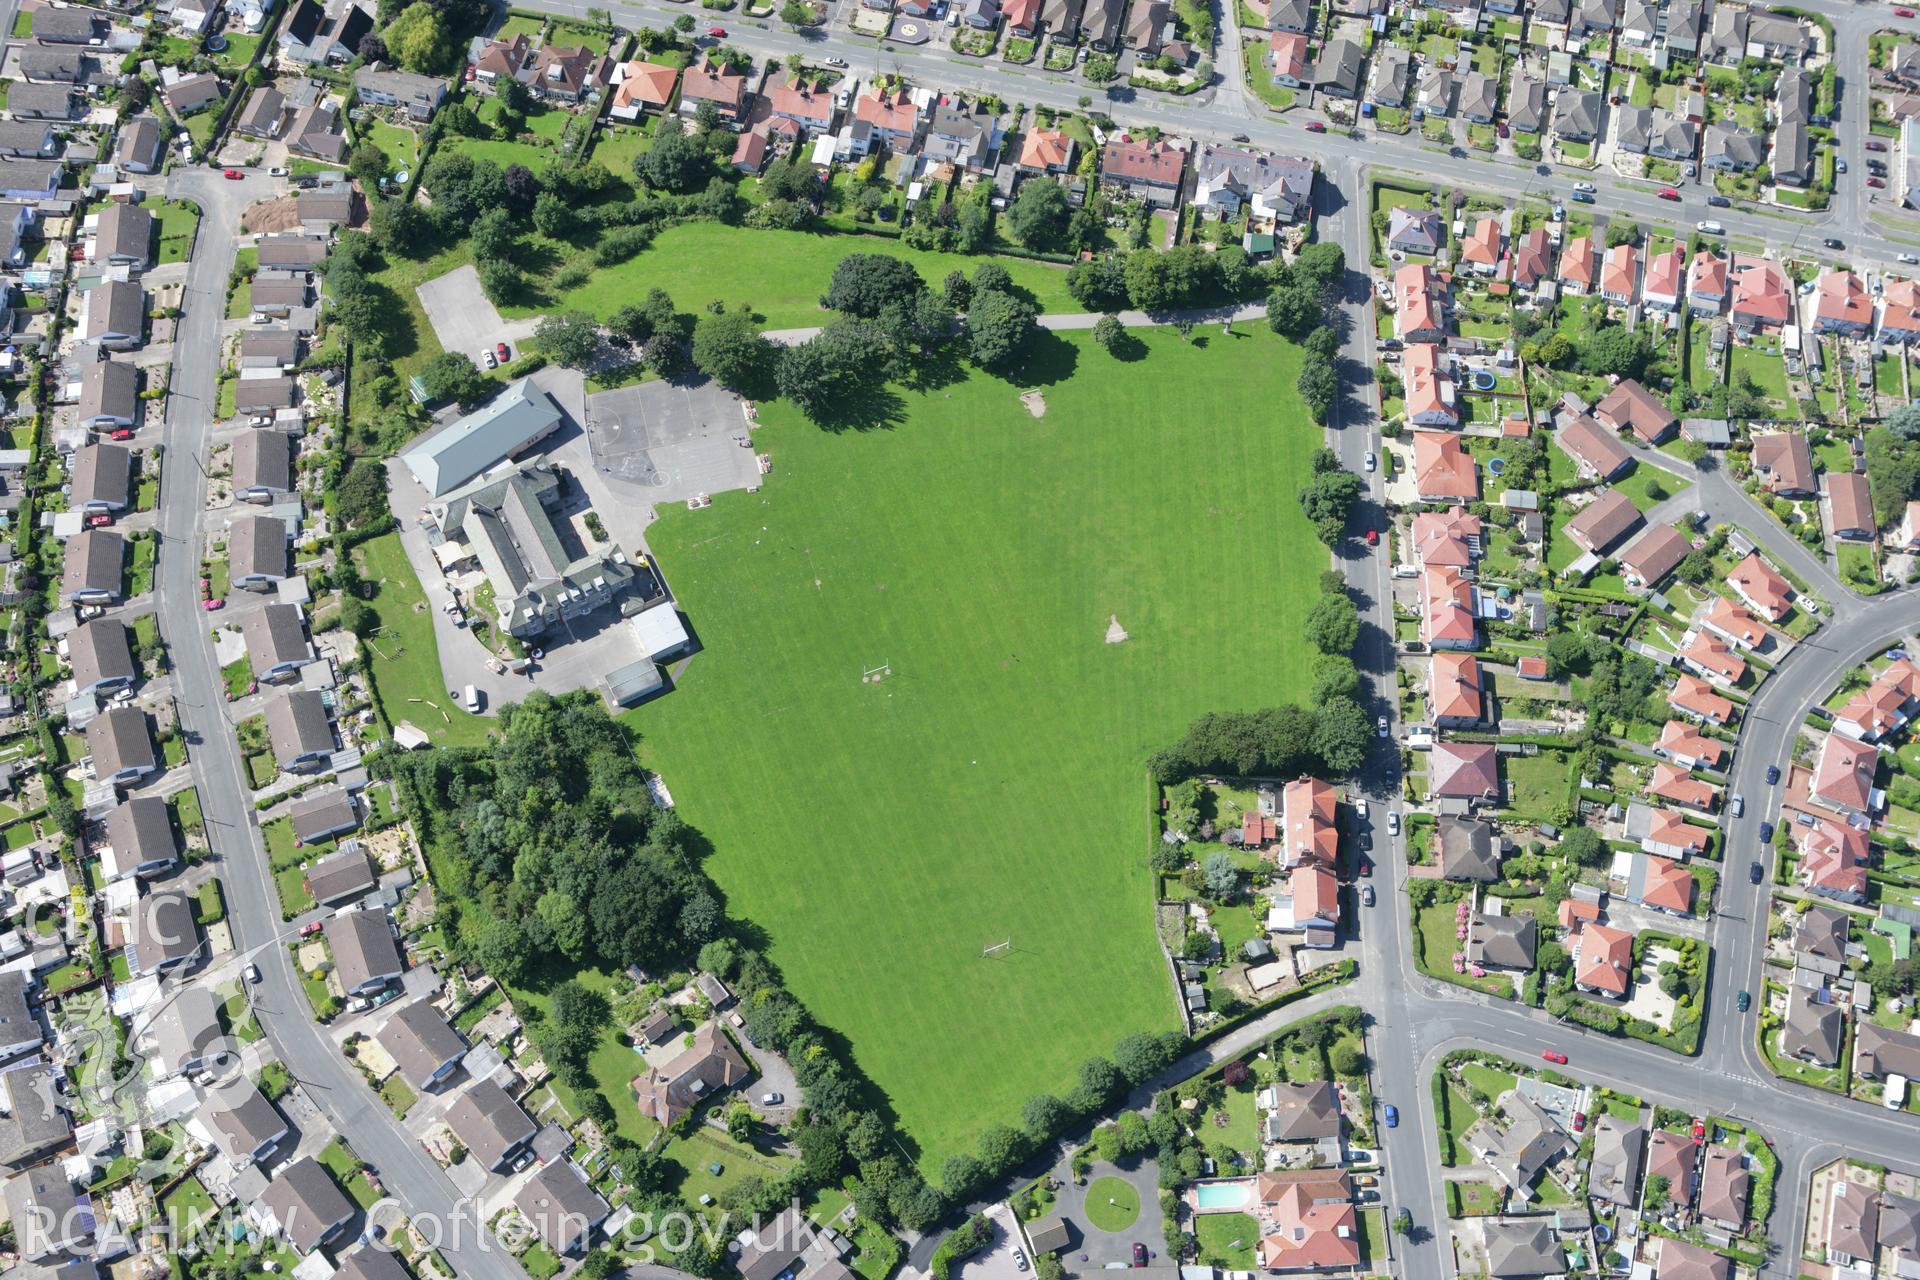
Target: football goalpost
{"x":1000,"y":948}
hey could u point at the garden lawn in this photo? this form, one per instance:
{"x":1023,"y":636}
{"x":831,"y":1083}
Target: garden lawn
{"x":781,"y":274}
{"x":897,"y":827}
{"x":405,"y":657}
{"x":1226,"y":1239}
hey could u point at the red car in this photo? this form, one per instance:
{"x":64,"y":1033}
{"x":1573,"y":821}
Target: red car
{"x":310,"y":928}
{"x":717,"y":33}
{"x":1316,"y":126}
{"x":1874,"y":144}
{"x":235,"y":174}
{"x":98,"y":519}
{"x":1579,"y":1121}
{"x":1876,"y":182}
{"x":500,"y":350}
{"x":123,"y":433}
{"x":1554,"y":1055}
{"x":1903,"y":12}
{"x":1668,"y":193}
{"x":1699,"y":1130}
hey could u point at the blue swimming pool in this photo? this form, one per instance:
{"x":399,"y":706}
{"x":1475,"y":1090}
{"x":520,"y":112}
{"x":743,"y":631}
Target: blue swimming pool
{"x":1220,"y":1195}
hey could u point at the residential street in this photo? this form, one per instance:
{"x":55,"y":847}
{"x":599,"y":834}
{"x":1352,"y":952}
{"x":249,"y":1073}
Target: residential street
{"x":334,"y":1085}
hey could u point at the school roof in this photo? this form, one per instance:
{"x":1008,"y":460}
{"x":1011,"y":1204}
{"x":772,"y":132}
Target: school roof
{"x":512,"y":420}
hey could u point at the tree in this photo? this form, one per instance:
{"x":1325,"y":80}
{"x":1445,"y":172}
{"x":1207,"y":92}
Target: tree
{"x":1099,"y":1082}
{"x":418,"y":39}
{"x":1001,"y":1148}
{"x":493,"y":235}
{"x":1320,"y":266}
{"x":676,"y":162}
{"x":1614,"y":350}
{"x":523,"y":189}
{"x":1107,"y":1144}
{"x":452,"y":375}
{"x":1334,"y":676}
{"x":514,"y":97}
{"x":358,"y":617}
{"x":1039,"y":216}
{"x":1346,"y":1059}
{"x":1100,"y":68}
{"x":1109,"y":332}
{"x":1043,"y":1116}
{"x":728,"y":347}
{"x":569,"y":338}
{"x":664,"y":355}
{"x":1100,"y":284}
{"x":962,"y":1175}
{"x":1658,"y":1186}
{"x":1327,"y":498}
{"x":1402,"y":1223}
{"x":1904,"y":422}
{"x":1318,"y":385}
{"x":998,"y":324}
{"x":816,"y":373}
{"x":400,"y":226}
{"x":373,"y":49}
{"x":1341,"y":735}
{"x":1583,"y":847}
{"x":1333,"y":624}
{"x":796,"y":13}
{"x":367,"y":163}
{"x":1322,"y":344}
{"x":868,"y":284}
{"x":1294,"y":310}
{"x":1222,"y":877}
{"x":362,"y":493}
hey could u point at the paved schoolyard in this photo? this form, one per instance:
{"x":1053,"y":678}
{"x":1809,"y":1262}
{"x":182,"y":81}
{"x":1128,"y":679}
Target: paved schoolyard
{"x":464,"y":320}
{"x":673,"y":439}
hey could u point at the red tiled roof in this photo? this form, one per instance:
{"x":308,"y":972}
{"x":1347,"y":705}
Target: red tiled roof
{"x":1833,"y":857}
{"x":1710,"y":653}
{"x":1454,"y":686}
{"x":1668,"y":885}
{"x":1735,"y":620}
{"x":1692,"y":694}
{"x":1045,"y":149}
{"x":1605,"y":961}
{"x":1442,"y":468}
{"x":1762,"y":587}
{"x":1843,"y":772}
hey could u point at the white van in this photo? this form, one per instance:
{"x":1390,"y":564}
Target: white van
{"x":471,"y":699}
{"x":1711,"y":229}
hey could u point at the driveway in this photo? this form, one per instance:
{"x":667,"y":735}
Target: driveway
{"x":464,"y":320}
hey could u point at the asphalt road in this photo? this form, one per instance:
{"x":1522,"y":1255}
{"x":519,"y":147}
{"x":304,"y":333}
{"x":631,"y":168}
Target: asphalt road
{"x":335,"y":1086}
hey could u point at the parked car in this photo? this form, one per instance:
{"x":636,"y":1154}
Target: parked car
{"x":1710,"y":228}
{"x":1910,"y":258}
{"x":1139,"y":1254}
{"x":1668,"y":193}
{"x":501,"y":350}
{"x":1699,"y":1130}
{"x":98,"y":520}
{"x":1766,"y":833}
{"x":1756,"y":873}
{"x":1874,"y":144}
{"x":310,"y":928}
{"x":278,"y":171}
{"x":1393,"y":822}
{"x":716,"y":33}
{"x":1739,"y":804}
{"x":1876,"y":182}
{"x":1720,"y":202}
{"x":1366,"y":868}
{"x":122,"y":433}
{"x":1583,"y":186}
{"x":1360,"y":808}
{"x":1743,"y":1001}
{"x":252,"y":972}
{"x":1579,"y":1121}
{"x":1839,"y":166}
{"x":1366,"y":895}
{"x":1582,"y":197}
{"x":233,"y":174}
{"x":1019,"y":1260}
{"x":487,"y":361}
{"x":1773,"y":774}
{"x":1554,"y":1055}
{"x":1903,"y":12}
{"x":1373,"y":537}
{"x":835,"y":62}
{"x":772,"y":1099}
{"x":1392,"y":1114}
{"x":1373,"y":461}
{"x":1380,"y":725}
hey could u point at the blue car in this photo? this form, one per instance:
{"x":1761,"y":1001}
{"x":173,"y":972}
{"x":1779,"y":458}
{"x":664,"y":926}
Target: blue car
{"x":1773,"y":774}
{"x":1393,"y":1116}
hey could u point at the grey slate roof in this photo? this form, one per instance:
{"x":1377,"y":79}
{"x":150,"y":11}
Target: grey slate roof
{"x":363,"y":947}
{"x":513,"y":419}
{"x":115,"y":307}
{"x":1304,"y":1112}
{"x":289,"y":250}
{"x":297,"y":725}
{"x":102,"y":473}
{"x":1576,"y":113}
{"x":275,"y":635}
{"x":1467,"y":849}
{"x":1812,"y":1029}
{"x":98,"y":650}
{"x":71,"y":25}
{"x":489,"y":1123}
{"x":140,"y":830}
{"x":340,"y":875}
{"x":186,"y":1030}
{"x":93,"y":563}
{"x":1619,"y":1151}
{"x":1505,"y":941}
{"x":1338,"y":67}
{"x":40,"y":102}
{"x":48,"y":1213}
{"x":139,"y":142}
{"x":306,"y":1202}
{"x":257,"y":545}
{"x":37,"y":1120}
{"x":1522,"y":1247}
{"x":263,"y":395}
{"x":165,"y":931}
{"x":263,"y":459}
{"x":417,"y":1038}
{"x":322,"y":812}
{"x":109,"y":389}
{"x":561,"y":1206}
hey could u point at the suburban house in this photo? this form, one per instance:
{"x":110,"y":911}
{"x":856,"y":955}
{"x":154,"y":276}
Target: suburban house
{"x":1415,"y":230}
{"x":1443,"y":470}
{"x":243,"y":1126}
{"x":1602,"y":961}
{"x":640,"y":87}
{"x":1843,"y":776}
{"x":1786,"y":461}
{"x":423,"y":1045}
{"x":1144,"y":169}
{"x":1849,"y":506}
{"x":707,"y":1067}
{"x":166,"y":936}
{"x":1464,"y":771}
{"x":1833,"y":861}
{"x":113,"y":314}
{"x":1455,"y":691}
{"x":1900,"y":309}
{"x":109,"y":396}
{"x":382,"y":86}
{"x":1631,"y":407}
{"x":1600,"y":526}
{"x":101,"y":659}
{"x":1620,"y":275}
{"x":123,"y":237}
{"x":1707,"y":282}
{"x":1842,"y":305}
{"x":101,"y":479}
{"x":1708,"y":656}
{"x":1579,"y":265}
{"x":490,"y":1124}
{"x":1648,"y":559}
{"x":341,"y":876}
{"x":139,"y":840}
{"x":256,"y":552}
{"x":1883,"y":707}
{"x":1666,"y":280}
{"x":1735,"y":624}
{"x":277,"y":644}
{"x":1761,"y":299}
{"x":1421,"y":314}
{"x":561,"y":1206}
{"x":717,"y":84}
{"x":300,"y":731}
{"x":92,"y":571}
{"x":304,"y":1205}
{"x":1760,"y":585}
{"x":1596,"y":452}
{"x":1309,"y":1221}
{"x":1428,"y":383}
{"x":364,"y":954}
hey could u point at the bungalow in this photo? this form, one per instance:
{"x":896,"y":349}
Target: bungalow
{"x":1843,"y":776}
{"x":1660,"y":884}
{"x":1146,"y":23}
{"x":364,"y":954}
{"x":262,"y":116}
{"x":40,"y":102}
{"x":1477,"y":98}
{"x":1392,"y":74}
{"x":109,"y":395}
{"x":1666,"y":280}
{"x":1725,"y":1182}
{"x":123,"y":237}
{"x":1729,"y":148}
{"x":1849,"y":506}
{"x":494,"y":1128}
{"x":1451,"y":537}
{"x":1707,"y":283}
{"x":1526,"y":100}
{"x":1464,"y":771}
{"x":1443,"y":471}
{"x":322,"y":814}
{"x":1697,"y":699}
{"x":1532,"y":258}
{"x":277,"y":643}
{"x":1603,"y":961}
{"x":1596,"y":452}
{"x":1734,"y":624}
{"x":1455,"y":691}
{"x":1761,"y":298}
{"x":561,"y":1206}
{"x":114,"y":315}
{"x":423,"y":1045}
{"x":138,"y":148}
{"x":28,"y":140}
{"x":120,"y":748}
{"x":1290,"y":15}
{"x":305,"y":1205}
{"x":92,"y":571}
{"x":1601,"y":525}
{"x":1428,"y":384}
{"x":1648,"y":559}
{"x":1434,"y":94}
{"x":291,"y":252}
{"x":1676,"y":785}
{"x":1712,"y":658}
{"x":1620,"y":275}
{"x":1786,"y":460}
{"x":100,"y":657}
{"x":1336,"y":72}
{"x":1841,"y":305}
{"x":1415,"y":230}
{"x":1880,"y":1051}
{"x":342,"y":876}
{"x":262,"y":466}
{"x":1883,"y":707}
{"x":1777,"y":37}
{"x":1631,"y":407}
{"x":1578,"y":265}
{"x":300,"y":731}
{"x":1761,"y":586}
{"x":1422,"y":312}
{"x":189,"y":93}
{"x":1833,"y":861}
{"x":1576,"y":115}
{"x":1813,"y":1032}
{"x":1686,"y":746}
{"x":101,"y":479}
{"x":1480,"y":251}
{"x":1447,"y":610}
{"x":640,"y":87}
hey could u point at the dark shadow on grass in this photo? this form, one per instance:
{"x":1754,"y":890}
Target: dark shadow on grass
{"x":1045,"y":360}
{"x":937,"y":369}
{"x":1128,"y":349}
{"x":869,"y":407}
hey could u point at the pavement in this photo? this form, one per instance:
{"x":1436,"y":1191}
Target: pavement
{"x":464,"y":320}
